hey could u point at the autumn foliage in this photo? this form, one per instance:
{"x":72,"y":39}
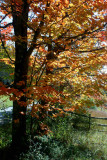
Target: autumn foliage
{"x":66,"y":48}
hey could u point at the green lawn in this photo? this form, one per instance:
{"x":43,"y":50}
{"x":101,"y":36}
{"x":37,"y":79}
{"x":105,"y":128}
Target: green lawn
{"x":5,"y":102}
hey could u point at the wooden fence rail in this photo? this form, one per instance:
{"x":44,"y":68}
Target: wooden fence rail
{"x":103,"y":125}
{"x":90,"y":120}
{"x":99,"y":118}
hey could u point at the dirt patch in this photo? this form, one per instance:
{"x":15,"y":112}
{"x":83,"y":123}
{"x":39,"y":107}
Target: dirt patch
{"x":96,"y":113}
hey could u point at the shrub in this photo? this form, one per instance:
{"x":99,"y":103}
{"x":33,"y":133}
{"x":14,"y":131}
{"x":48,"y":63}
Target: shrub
{"x":44,"y":148}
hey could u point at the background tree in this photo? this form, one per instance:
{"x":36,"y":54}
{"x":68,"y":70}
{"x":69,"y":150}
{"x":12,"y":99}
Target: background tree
{"x":62,"y":42}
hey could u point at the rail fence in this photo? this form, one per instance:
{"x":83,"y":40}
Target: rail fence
{"x":91,"y":121}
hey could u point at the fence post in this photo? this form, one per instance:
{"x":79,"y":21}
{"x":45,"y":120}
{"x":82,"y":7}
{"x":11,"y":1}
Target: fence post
{"x":89,"y":121}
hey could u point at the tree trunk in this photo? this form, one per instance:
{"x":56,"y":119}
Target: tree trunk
{"x":21,"y":70}
{"x":19,"y":112}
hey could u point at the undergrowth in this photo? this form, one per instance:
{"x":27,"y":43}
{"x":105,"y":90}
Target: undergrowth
{"x":64,"y":142}
{"x":67,"y":143}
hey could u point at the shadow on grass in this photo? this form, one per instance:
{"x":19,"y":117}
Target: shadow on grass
{"x":5,"y":141}
{"x":6,"y":150}
{"x":8,"y":153}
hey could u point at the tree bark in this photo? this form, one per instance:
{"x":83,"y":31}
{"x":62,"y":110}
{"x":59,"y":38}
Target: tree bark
{"x":19,"y":112}
{"x":21,"y":70}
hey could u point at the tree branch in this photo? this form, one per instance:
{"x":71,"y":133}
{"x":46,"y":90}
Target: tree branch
{"x":36,"y":34}
{"x":4,"y":17}
{"x":97,"y":49}
{"x":39,"y":77}
{"x":7,"y":25}
{"x":60,"y":68}
{"x":12,"y":61}
{"x":86,"y":32}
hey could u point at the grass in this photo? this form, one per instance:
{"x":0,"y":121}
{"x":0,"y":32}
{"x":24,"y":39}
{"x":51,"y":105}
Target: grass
{"x":98,"y":112}
{"x":5,"y":102}
{"x":102,"y":109}
{"x":5,"y":141}
{"x":67,"y":143}
{"x":63,"y":143}
{"x":87,"y":145}
{"x":5,"y":135}
{"x":93,"y":143}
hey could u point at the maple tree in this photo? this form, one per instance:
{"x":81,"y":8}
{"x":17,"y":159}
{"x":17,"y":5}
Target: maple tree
{"x":59,"y":54}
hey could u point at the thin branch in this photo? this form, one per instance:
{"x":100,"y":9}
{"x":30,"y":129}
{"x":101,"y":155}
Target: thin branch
{"x":3,"y":45}
{"x":32,"y":71}
{"x":97,"y":49}
{"x":67,"y":15}
{"x":31,"y":28}
{"x":7,"y":25}
{"x":68,"y":83}
{"x":36,"y":34}
{"x":38,"y":78}
{"x":60,"y":48}
{"x":86,"y":32}
{"x":60,"y":68}
{"x":4,"y":17}
{"x":5,"y":8}
{"x":35,"y":72}
{"x":70,"y":16}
